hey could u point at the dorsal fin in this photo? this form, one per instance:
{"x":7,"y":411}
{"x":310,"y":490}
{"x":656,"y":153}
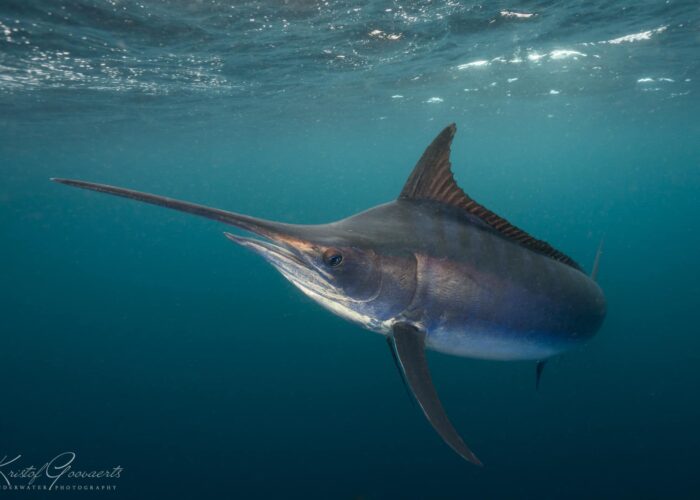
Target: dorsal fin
{"x":432,"y":179}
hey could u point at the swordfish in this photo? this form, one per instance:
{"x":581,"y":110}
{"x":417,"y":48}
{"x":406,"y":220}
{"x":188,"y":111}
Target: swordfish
{"x":432,"y":269}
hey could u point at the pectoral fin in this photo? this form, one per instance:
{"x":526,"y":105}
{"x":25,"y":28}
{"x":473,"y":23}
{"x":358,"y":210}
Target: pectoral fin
{"x":409,"y":345}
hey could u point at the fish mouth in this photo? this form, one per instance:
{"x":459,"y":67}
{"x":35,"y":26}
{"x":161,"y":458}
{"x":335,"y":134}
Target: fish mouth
{"x":273,"y":252}
{"x":287,"y":254}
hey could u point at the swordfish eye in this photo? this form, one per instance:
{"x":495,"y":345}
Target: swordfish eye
{"x":332,"y":257}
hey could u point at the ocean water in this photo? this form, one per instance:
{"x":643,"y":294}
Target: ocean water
{"x":141,"y":338}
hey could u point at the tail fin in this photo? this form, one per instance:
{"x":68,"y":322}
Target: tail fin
{"x":596,"y":262}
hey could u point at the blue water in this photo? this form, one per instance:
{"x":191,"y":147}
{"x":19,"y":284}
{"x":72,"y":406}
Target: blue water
{"x":141,"y":337}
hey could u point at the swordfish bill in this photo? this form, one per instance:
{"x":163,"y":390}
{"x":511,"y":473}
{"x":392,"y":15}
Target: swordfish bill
{"x":433,"y":269}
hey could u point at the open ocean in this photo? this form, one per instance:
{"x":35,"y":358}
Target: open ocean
{"x":141,"y":339}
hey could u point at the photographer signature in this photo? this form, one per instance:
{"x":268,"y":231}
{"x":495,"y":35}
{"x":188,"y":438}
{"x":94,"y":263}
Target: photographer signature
{"x":60,"y":467}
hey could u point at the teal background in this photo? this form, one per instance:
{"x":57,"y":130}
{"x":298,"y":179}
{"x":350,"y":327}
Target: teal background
{"x":138,"y":336}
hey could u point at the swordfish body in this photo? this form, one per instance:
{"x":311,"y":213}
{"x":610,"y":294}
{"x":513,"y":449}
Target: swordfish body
{"x":431,"y":269}
{"x":474,"y":293}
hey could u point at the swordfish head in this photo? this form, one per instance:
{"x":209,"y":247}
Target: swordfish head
{"x":339,"y":269}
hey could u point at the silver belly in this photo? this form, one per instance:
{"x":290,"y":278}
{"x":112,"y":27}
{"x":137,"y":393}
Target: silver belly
{"x":485,"y":343}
